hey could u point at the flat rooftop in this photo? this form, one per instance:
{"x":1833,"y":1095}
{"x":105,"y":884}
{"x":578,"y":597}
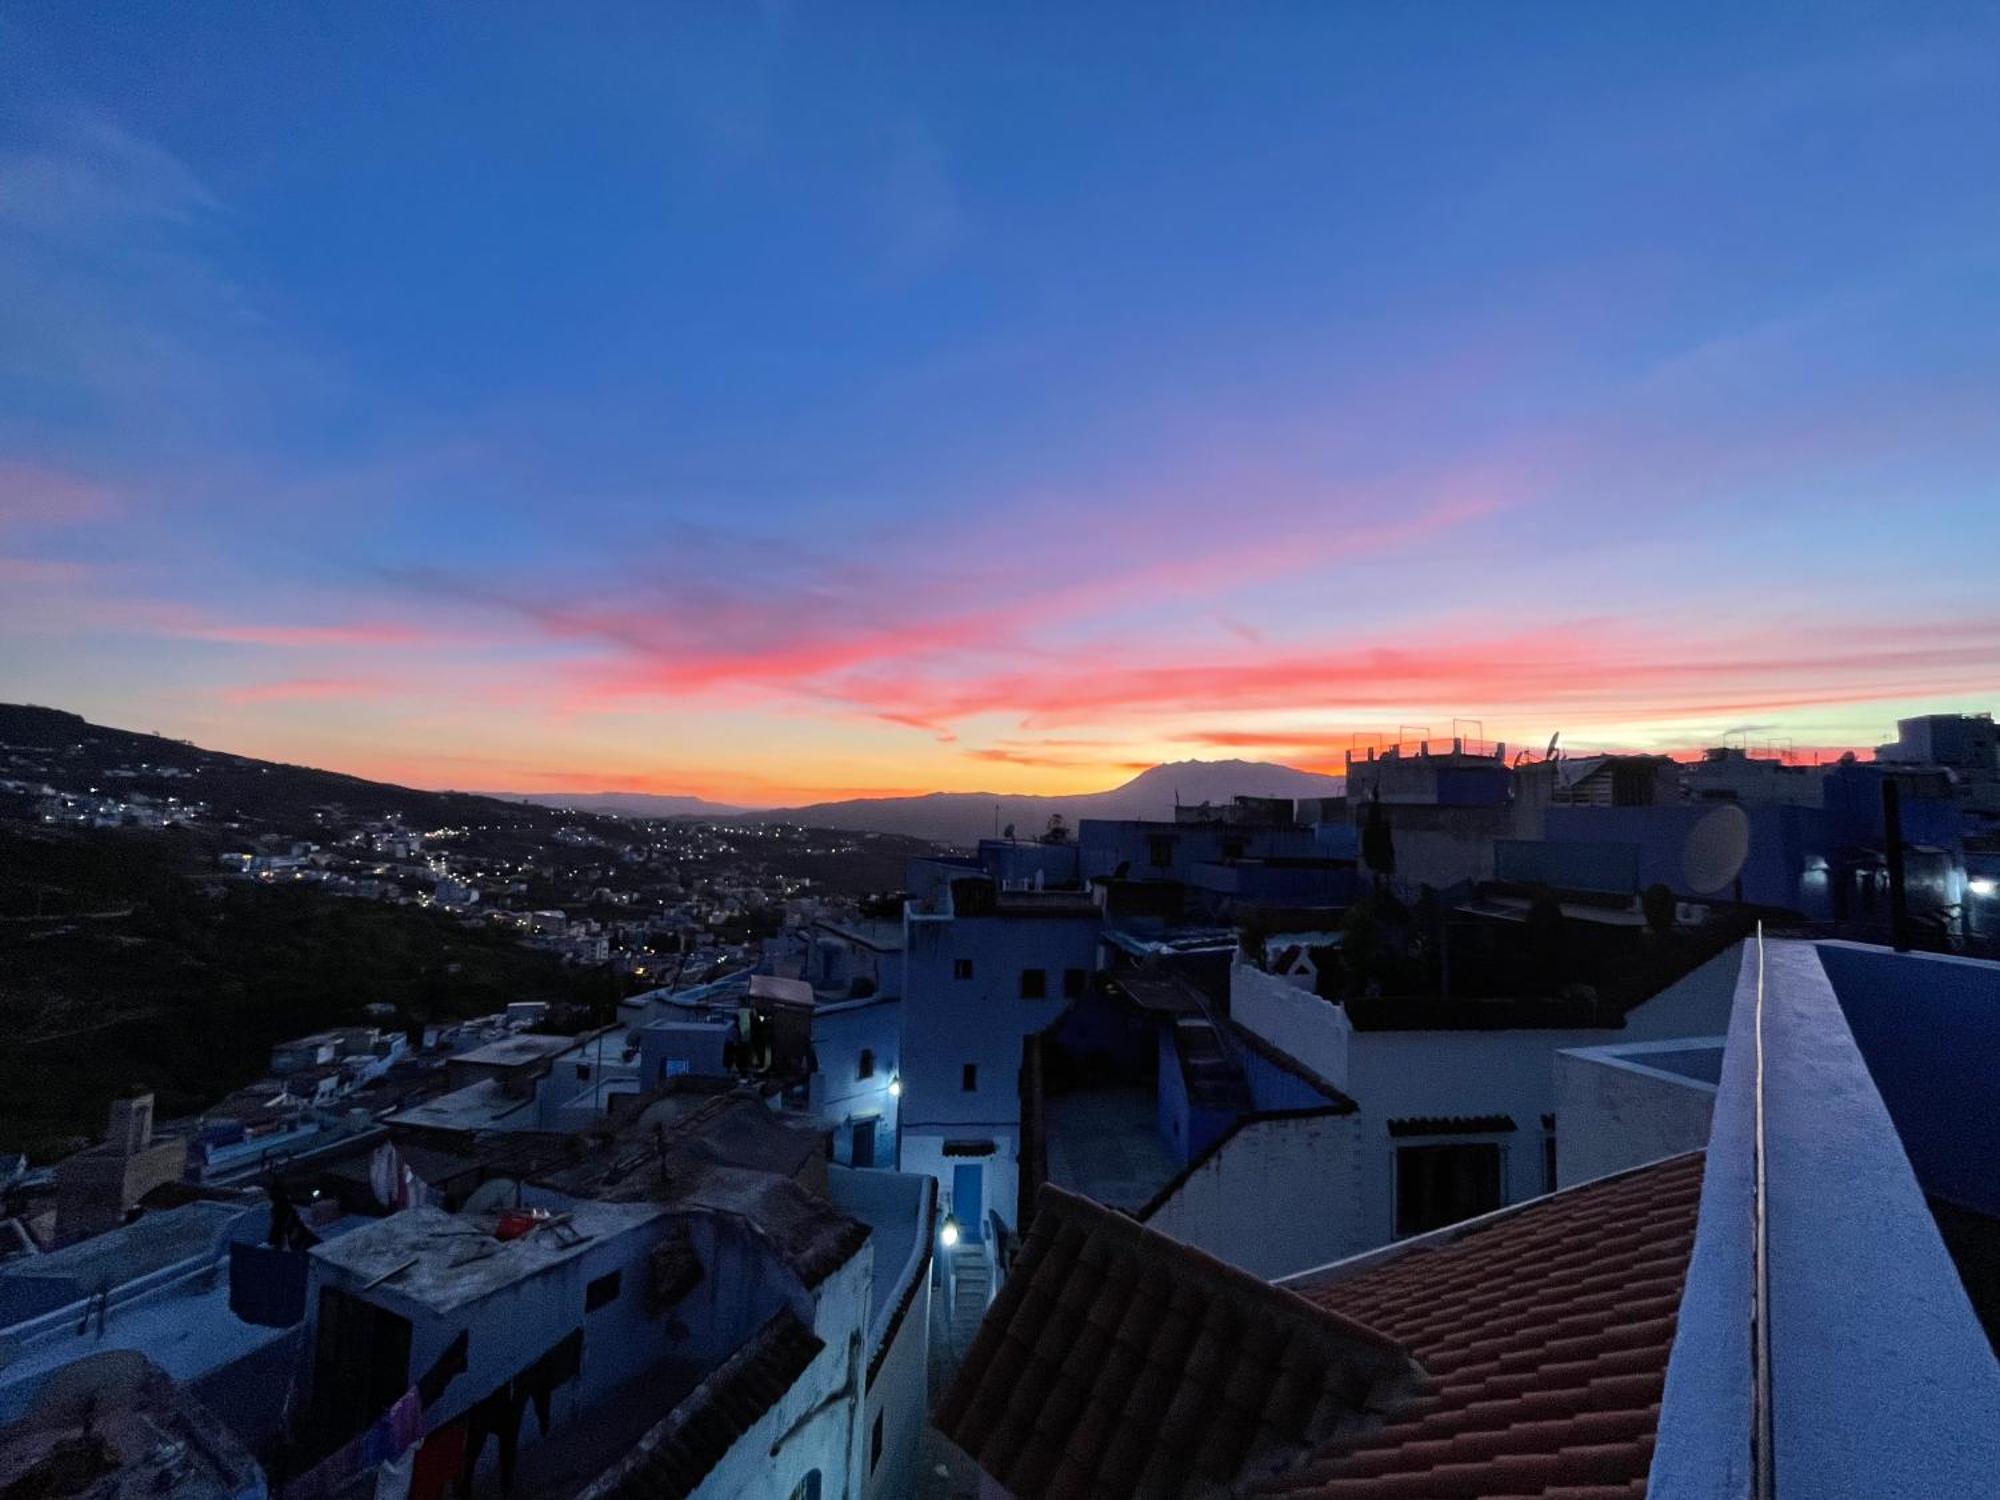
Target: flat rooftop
{"x":516,"y":1051}
{"x":1105,"y":1144}
{"x":443,"y":1260}
{"x":150,"y":1243}
{"x":883,"y":936}
{"x":478,"y":1106}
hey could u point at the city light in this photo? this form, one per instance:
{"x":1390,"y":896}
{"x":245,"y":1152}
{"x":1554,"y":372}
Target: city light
{"x":1979,"y":885}
{"x":948,"y":1233}
{"x":896,"y":1083}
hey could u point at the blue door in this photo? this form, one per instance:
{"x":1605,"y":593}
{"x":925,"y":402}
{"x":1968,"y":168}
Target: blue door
{"x":967,"y":1183}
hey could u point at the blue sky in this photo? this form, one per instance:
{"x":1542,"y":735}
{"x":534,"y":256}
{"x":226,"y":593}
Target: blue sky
{"x":781,"y":400}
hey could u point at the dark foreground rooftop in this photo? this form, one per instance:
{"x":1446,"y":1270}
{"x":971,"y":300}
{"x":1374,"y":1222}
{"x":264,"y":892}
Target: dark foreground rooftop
{"x":1117,"y":1361}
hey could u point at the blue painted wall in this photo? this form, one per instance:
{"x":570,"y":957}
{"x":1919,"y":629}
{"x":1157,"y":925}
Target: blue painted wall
{"x":1928,"y":1027}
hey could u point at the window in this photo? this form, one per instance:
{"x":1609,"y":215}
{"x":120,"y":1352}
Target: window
{"x":865,"y":1068}
{"x":807,"y":1488}
{"x":1075,"y":982}
{"x":1160,"y":850}
{"x":601,"y":1292}
{"x":1234,"y":847}
{"x":969,"y":1079}
{"x":1440,"y":1185}
{"x":961,"y":968}
{"x":875,"y":1443}
{"x":1549,"y":1162}
{"x":675,"y":1067}
{"x":1034,"y":984}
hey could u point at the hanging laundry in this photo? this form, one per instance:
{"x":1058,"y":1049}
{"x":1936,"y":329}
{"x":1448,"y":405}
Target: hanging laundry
{"x":561,"y":1363}
{"x":385,"y":1176}
{"x":438,"y":1462}
{"x":406,"y":1421}
{"x":497,"y":1416}
{"x":392,"y":1480}
{"x":446,"y":1368}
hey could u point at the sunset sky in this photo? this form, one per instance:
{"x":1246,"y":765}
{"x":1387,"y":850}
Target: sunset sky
{"x":781,"y":402}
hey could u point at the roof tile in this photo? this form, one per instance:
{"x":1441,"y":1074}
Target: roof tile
{"x":1117,"y":1361}
{"x":1545,"y":1332}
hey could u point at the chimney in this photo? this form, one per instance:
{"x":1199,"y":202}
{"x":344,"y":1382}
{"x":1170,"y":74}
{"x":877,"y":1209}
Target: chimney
{"x":130,"y":1126}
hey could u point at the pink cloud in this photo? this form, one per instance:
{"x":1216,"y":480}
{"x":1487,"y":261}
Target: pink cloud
{"x":1584,"y":666}
{"x":303,"y":690}
{"x":307,"y":635}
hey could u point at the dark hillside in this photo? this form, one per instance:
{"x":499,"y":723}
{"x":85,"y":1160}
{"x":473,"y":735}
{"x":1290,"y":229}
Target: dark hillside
{"x":122,"y":962}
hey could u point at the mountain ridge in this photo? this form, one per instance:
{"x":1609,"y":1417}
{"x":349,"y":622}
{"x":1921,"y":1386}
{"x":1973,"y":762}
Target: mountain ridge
{"x":246,"y":785}
{"x":965,"y":817}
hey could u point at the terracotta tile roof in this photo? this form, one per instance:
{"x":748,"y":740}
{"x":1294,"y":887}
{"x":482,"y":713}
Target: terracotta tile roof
{"x":1117,"y":1362}
{"x":673,"y":1458}
{"x":1545,"y":1333}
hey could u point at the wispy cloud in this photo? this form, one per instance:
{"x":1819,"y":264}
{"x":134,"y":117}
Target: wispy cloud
{"x":307,"y":690}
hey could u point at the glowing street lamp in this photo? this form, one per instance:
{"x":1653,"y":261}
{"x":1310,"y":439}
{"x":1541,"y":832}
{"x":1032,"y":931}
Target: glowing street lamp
{"x":948,"y":1234}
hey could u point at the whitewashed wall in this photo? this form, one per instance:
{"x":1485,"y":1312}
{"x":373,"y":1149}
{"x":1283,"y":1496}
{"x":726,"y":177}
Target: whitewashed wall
{"x":1294,"y":1019}
{"x":1613,"y":1112}
{"x":1278,"y":1196}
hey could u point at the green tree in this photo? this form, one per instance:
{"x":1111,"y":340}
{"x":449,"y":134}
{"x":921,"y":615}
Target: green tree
{"x":1378,"y":846}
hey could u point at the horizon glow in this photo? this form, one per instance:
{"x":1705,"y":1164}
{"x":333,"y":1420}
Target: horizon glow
{"x":776,"y":405}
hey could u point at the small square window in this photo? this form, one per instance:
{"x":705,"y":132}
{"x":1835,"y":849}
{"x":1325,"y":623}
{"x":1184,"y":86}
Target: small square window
{"x":601,"y":1293}
{"x":969,"y":1078}
{"x":1160,"y":850}
{"x":1034,"y":984}
{"x":961,"y":968}
{"x":1075,"y":982}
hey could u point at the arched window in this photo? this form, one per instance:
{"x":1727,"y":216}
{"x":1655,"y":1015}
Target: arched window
{"x":807,"y":1488}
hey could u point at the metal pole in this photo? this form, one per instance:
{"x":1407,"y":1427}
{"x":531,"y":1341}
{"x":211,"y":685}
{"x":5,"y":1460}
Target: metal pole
{"x":1892,"y":841}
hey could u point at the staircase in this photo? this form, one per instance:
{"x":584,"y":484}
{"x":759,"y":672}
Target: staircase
{"x":971,"y":1290}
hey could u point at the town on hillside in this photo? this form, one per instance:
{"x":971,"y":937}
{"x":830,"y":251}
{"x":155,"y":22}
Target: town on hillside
{"x":1500,"y":1123}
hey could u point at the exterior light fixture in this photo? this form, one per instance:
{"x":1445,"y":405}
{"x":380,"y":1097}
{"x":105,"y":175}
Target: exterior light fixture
{"x":948,"y":1233}
{"x":1979,"y":885}
{"x":896,"y":1084}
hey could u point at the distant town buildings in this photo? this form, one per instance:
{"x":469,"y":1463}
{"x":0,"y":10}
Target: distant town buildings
{"x":1421,"y":1141}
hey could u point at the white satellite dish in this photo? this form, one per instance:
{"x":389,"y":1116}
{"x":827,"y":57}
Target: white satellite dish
{"x":1716,"y":847}
{"x":494,"y":1193}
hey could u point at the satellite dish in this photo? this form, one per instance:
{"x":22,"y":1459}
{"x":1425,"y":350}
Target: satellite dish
{"x":494,"y":1193}
{"x":1550,"y":753}
{"x":1715,"y":849}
